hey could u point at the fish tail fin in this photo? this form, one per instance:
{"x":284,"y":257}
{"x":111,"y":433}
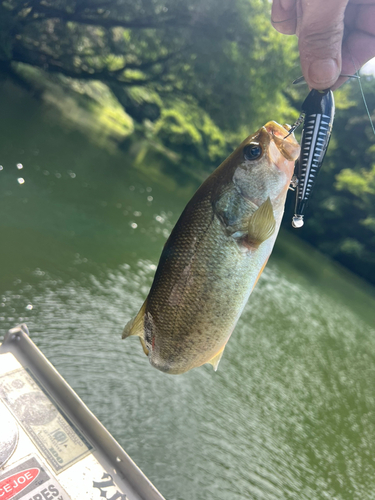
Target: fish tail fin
{"x":136,"y":325}
{"x":262,"y":224}
{"x":216,"y":359}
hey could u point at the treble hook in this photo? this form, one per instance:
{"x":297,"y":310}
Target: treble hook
{"x":296,"y":124}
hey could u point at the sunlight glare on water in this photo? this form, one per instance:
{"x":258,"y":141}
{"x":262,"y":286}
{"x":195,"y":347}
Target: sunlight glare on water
{"x":287,"y":414}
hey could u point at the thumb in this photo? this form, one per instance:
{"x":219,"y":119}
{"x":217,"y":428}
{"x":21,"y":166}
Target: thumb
{"x":320,"y":32}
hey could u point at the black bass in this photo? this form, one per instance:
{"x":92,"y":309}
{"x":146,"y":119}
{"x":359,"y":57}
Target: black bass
{"x":216,"y":253}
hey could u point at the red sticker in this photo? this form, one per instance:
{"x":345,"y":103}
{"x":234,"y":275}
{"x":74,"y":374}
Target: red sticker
{"x":12,"y":485}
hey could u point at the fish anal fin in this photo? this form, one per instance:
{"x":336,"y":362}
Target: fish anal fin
{"x":216,"y":359}
{"x":261,"y":225}
{"x":260,"y":272}
{"x":145,"y":350}
{"x":136,"y":325}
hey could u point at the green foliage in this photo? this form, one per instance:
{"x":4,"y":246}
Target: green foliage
{"x":206,"y":73}
{"x":360,"y":183}
{"x":188,"y":130}
{"x":218,"y":53}
{"x":196,"y":77}
{"x":6,"y":28}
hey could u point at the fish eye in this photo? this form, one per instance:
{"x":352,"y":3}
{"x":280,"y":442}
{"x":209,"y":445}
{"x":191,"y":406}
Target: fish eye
{"x":252,"y":151}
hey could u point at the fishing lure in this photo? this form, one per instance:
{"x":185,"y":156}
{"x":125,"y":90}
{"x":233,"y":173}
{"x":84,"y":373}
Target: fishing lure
{"x":318,"y":112}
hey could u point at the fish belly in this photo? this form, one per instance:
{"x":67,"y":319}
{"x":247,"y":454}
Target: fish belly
{"x":202,"y":284}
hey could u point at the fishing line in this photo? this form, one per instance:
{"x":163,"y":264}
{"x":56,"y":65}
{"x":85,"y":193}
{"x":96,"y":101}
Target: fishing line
{"x":362,"y":93}
{"x":365,"y":103}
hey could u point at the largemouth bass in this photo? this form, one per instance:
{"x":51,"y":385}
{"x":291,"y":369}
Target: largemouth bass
{"x":216,"y":253}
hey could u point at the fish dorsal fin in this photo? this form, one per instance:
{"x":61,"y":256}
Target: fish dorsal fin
{"x":261,"y":224}
{"x":136,"y":325}
{"x":216,"y":359}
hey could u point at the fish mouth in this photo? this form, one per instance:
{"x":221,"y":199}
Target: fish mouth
{"x":288,"y":146}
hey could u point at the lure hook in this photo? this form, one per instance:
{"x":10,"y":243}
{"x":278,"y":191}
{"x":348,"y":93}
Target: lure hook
{"x":296,"y":124}
{"x":301,"y":79}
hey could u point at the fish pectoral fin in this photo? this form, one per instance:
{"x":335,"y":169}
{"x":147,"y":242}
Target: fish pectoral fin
{"x":136,"y":325}
{"x":145,"y":350}
{"x":216,"y":359}
{"x":261,"y":225}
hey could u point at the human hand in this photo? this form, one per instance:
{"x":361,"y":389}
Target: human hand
{"x":334,"y":36}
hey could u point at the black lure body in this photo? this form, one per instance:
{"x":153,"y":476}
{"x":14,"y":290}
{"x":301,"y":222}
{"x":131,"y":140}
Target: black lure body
{"x":319,"y":111}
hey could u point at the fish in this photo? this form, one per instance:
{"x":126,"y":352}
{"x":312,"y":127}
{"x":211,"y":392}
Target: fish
{"x":216,"y":253}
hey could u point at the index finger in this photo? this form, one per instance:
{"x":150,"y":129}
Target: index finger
{"x":284,"y":16}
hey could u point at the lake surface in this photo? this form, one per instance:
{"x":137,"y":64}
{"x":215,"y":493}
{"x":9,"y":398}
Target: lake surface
{"x":290,"y":413}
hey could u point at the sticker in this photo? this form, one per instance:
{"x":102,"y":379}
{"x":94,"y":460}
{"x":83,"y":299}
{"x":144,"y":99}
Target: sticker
{"x":8,"y":435}
{"x":29,"y":480}
{"x":8,"y":362}
{"x":108,"y":489}
{"x":48,"y":427}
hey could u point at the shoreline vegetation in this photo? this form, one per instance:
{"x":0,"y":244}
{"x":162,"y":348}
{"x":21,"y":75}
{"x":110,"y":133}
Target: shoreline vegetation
{"x":176,"y":87}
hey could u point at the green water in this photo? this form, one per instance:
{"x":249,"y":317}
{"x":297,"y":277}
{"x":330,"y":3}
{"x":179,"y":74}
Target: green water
{"x":290,"y":414}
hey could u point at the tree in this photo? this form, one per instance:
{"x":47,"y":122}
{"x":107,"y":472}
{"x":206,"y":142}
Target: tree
{"x":216,"y":53}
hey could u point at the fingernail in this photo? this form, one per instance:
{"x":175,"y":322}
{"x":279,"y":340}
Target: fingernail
{"x":324,"y":71}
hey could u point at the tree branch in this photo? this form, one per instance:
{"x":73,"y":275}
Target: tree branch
{"x":142,"y":23}
{"x":55,"y":66}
